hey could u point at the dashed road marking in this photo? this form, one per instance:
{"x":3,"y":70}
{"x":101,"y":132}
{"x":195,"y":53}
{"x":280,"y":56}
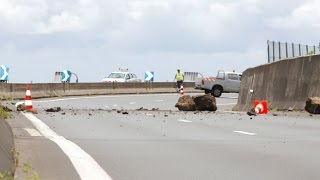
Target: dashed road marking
{"x":85,"y":165}
{"x":246,"y":133}
{"x":184,"y":120}
{"x":226,"y":104}
{"x":159,"y":100}
{"x":32,"y":132}
{"x":131,"y":103}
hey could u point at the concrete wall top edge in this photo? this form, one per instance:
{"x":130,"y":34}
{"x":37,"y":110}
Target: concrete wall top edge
{"x":281,"y":61}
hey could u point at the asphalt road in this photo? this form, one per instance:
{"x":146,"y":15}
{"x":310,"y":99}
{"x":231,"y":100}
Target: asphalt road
{"x":168,"y":144}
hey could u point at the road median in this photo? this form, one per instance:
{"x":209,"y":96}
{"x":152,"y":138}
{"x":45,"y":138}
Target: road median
{"x":6,"y":149}
{"x":46,"y":90}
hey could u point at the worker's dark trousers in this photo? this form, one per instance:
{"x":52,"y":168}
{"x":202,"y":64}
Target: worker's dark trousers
{"x":179,"y":84}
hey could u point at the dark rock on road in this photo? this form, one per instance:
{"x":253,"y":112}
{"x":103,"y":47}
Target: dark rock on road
{"x":55,"y":109}
{"x":313,"y":105}
{"x":205,"y":103}
{"x":186,"y":103}
{"x":21,"y":107}
{"x":252,"y":112}
{"x":197,"y":103}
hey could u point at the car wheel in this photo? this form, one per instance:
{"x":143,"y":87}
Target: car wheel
{"x":216,"y":91}
{"x":207,"y":91}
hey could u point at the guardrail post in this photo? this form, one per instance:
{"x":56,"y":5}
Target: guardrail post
{"x":314,"y":49}
{"x":268,"y":51}
{"x":273,"y":48}
{"x":287,"y":50}
{"x":279,"y":50}
{"x":307,"y":48}
{"x":293,"y":50}
{"x":299,"y":49}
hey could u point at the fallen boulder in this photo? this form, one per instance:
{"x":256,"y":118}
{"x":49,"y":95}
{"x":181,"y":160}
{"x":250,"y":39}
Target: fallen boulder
{"x":197,"y":103}
{"x":252,"y":112}
{"x":205,"y":103}
{"x":186,"y":103}
{"x":313,"y":105}
{"x":21,"y":107}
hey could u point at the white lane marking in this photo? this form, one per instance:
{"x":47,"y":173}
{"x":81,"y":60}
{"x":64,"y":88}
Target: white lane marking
{"x":226,"y":104}
{"x":84,"y":164}
{"x":107,"y":107}
{"x":115,"y":105}
{"x":132,"y":103}
{"x":183,"y":120}
{"x":32,"y":132}
{"x":159,"y":100}
{"x":98,"y":97}
{"x":246,"y":133}
{"x":149,"y":114}
{"x":229,"y":97}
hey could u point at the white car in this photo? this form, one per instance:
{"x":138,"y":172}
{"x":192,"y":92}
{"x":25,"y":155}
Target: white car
{"x":121,"y":77}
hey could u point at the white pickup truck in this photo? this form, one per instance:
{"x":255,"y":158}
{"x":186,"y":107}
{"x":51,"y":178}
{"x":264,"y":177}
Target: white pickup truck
{"x":225,"y":82}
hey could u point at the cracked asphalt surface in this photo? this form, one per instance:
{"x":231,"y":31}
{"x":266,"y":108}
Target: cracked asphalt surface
{"x":168,"y":144}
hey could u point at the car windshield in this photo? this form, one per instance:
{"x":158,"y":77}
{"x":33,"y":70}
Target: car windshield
{"x":116,"y":75}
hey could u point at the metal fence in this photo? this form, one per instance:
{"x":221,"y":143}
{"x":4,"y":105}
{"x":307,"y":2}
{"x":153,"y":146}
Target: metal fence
{"x":191,"y":76}
{"x":278,"y":50}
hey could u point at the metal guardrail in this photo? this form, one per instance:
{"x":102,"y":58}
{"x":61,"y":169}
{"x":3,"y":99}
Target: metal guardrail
{"x":279,"y":50}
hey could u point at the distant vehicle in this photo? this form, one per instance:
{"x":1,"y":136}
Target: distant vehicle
{"x":225,"y":82}
{"x":121,"y":76}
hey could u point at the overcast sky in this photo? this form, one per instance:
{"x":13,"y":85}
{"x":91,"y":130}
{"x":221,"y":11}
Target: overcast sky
{"x":95,"y":37}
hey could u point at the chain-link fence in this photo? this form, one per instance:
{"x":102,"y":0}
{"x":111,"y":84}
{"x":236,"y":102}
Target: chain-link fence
{"x":278,"y":50}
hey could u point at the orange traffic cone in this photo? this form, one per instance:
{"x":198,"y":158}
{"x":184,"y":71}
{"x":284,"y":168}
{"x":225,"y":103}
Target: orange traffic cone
{"x":28,"y":100}
{"x":181,"y":90}
{"x":260,"y":107}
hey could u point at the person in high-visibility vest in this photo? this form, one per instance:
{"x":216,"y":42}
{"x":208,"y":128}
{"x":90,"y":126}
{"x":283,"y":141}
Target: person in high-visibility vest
{"x":179,"y":77}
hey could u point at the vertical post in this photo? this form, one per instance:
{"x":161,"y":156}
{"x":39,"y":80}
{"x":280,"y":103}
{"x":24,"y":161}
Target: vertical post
{"x":307,"y":48}
{"x":293,"y":50}
{"x":287,"y":50}
{"x":279,"y":50}
{"x":268,"y":51}
{"x":299,"y":49}
{"x":314,"y":49}
{"x":273,"y":49}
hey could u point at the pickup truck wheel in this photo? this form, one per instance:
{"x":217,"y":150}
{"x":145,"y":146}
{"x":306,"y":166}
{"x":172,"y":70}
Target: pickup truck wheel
{"x":207,"y":91}
{"x":216,"y":91}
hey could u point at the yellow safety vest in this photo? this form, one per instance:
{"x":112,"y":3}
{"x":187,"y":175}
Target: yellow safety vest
{"x":179,"y":76}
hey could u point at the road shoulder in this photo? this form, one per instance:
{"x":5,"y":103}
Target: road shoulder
{"x":36,"y":155}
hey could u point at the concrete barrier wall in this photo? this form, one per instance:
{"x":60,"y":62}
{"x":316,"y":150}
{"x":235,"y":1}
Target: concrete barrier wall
{"x":6,"y":147}
{"x":76,"y":89}
{"x":284,"y":84}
